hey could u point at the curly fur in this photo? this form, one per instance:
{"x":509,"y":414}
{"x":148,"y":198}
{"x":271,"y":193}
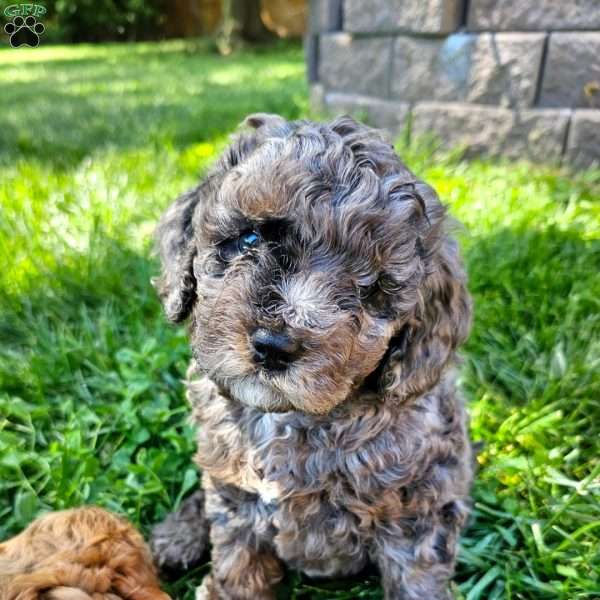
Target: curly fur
{"x":80,"y":554}
{"x":358,"y":452}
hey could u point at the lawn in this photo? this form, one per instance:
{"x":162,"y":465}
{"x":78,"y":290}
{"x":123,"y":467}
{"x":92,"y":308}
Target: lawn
{"x":96,"y":140}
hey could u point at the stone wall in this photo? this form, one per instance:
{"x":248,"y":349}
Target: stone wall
{"x":518,"y":78}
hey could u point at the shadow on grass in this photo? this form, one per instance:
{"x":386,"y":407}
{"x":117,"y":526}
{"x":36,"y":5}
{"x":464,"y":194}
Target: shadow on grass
{"x":53,"y":302}
{"x":91,"y":393}
{"x":534,"y":290}
{"x":533,"y":392}
{"x":91,"y":358}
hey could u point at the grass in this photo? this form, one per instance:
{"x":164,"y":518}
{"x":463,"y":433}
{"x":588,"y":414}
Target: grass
{"x":95,"y":143}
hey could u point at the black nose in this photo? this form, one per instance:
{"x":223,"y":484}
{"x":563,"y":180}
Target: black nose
{"x":274,"y":350}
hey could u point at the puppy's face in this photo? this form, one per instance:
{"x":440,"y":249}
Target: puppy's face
{"x":290,"y":310}
{"x":305,"y":257}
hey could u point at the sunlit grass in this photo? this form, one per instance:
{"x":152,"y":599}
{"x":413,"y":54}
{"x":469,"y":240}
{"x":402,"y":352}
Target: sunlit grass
{"x":109,"y":52}
{"x":61,"y":107}
{"x":96,"y":140}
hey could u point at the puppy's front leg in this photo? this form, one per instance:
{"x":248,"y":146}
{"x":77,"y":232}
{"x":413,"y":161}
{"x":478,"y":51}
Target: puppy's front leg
{"x":178,"y":543}
{"x":244,"y":565}
{"x":416,"y":559}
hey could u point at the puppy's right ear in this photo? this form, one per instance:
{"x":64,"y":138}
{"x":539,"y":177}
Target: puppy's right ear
{"x":176,"y":285}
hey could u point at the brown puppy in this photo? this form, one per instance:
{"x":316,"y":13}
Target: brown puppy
{"x":326,"y":300}
{"x":80,"y":554}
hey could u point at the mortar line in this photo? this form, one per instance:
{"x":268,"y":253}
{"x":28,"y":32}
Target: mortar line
{"x":541,"y":70}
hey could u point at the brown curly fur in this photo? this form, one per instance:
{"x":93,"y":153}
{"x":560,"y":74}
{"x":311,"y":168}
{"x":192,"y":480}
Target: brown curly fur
{"x":80,"y":554}
{"x":357,"y":452}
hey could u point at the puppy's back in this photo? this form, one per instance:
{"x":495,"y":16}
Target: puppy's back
{"x":80,"y":554}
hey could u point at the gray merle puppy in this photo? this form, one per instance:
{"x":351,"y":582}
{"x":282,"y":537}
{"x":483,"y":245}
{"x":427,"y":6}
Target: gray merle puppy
{"x":325,"y":301}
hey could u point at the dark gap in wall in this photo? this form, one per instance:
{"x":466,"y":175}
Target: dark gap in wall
{"x":311,"y":50}
{"x":394,"y":33}
{"x":541,"y":70}
{"x":336,"y":15}
{"x":464,"y":17}
{"x":566,"y":138}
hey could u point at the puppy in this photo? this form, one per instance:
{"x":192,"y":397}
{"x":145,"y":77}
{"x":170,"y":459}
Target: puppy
{"x":80,"y":554}
{"x":325,"y":301}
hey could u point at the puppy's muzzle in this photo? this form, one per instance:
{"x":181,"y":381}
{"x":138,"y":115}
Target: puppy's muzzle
{"x":274,"y":350}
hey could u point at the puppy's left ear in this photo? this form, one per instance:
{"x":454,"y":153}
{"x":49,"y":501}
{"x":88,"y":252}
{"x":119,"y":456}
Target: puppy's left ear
{"x":440,"y":321}
{"x":269,"y":121}
{"x":176,"y":285}
{"x":266,"y":125}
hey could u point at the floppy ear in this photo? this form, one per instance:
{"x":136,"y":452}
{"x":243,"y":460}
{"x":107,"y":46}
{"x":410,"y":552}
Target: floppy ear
{"x":176,"y":285}
{"x":440,"y":321}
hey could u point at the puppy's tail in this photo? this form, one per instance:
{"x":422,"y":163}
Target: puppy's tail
{"x":179,"y":542}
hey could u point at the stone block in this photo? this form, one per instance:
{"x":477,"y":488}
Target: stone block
{"x":385,"y":114}
{"x":504,"y":68}
{"x":533,"y":15}
{"x":424,"y":16}
{"x":357,"y":65}
{"x":537,"y":134}
{"x":500,"y":69}
{"x":431,"y":69}
{"x":572,"y":73}
{"x":583,"y":147}
{"x":317,"y":97}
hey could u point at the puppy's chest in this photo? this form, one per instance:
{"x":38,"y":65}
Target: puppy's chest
{"x":287,"y":463}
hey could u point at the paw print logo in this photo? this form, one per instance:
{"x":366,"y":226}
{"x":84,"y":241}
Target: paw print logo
{"x":24,"y":32}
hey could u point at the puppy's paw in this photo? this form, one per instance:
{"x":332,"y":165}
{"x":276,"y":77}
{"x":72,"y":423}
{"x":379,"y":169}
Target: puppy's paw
{"x":179,"y":542}
{"x":207,"y":590}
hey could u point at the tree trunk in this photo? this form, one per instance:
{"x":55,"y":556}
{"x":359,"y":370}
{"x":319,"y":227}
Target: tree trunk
{"x":241,"y":23}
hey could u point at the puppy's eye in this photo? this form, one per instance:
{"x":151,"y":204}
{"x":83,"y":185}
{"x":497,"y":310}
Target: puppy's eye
{"x":248,"y":240}
{"x":378,"y":296}
{"x":231,"y":248}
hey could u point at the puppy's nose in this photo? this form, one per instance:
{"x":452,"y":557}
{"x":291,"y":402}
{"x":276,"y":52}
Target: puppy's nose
{"x":274,"y":350}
